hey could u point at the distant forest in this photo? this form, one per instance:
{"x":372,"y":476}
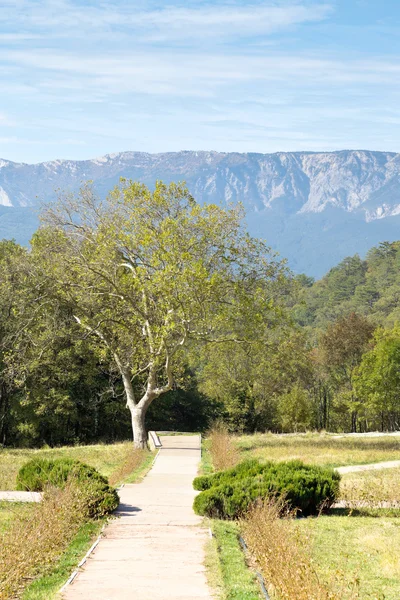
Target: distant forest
{"x":333,"y":363}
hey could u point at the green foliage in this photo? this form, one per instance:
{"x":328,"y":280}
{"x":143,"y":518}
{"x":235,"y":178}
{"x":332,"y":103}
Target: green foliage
{"x":248,"y":381}
{"x":152,"y":271}
{"x":377,"y":379}
{"x":246,"y":468}
{"x":369,"y":287}
{"x":295,"y":410}
{"x":229,"y":494}
{"x":229,"y":561}
{"x":36,"y":474}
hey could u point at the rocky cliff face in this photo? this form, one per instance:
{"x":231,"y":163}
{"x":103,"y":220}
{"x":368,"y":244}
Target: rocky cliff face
{"x":314,"y":208}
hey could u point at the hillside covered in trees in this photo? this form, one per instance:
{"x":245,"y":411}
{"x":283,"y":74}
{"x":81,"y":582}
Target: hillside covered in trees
{"x":300,"y":355}
{"x":369,"y":287}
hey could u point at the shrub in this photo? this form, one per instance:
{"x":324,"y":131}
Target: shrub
{"x":247,"y":468}
{"x":229,"y":494}
{"x":37,"y":474}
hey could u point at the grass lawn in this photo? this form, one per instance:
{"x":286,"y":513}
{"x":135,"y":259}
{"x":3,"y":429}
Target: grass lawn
{"x":321,"y":449}
{"x":362,"y":548}
{"x":10,"y":511}
{"x":227,"y":571}
{"x":372,"y":487}
{"x":106,"y":458}
{"x":351,"y":548}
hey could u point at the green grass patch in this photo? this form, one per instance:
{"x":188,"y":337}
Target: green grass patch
{"x":319,"y":449}
{"x":227,"y":568}
{"x":48,"y":586}
{"x":362,"y":548}
{"x":206,"y":466}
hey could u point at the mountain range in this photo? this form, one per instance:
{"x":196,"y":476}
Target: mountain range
{"x":314,"y":208}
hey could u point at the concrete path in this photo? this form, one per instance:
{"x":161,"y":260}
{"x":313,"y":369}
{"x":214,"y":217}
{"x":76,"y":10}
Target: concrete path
{"x":155,"y":549}
{"x":20,"y":496}
{"x":390,"y":464}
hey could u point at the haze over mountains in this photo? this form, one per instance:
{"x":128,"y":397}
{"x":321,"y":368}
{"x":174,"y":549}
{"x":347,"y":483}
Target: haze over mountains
{"x":314,"y":208}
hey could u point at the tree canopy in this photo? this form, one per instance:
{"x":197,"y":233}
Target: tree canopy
{"x":148,"y":272}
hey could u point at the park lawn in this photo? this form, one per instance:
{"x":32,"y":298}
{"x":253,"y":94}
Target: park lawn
{"x":106,"y":458}
{"x":319,"y":449}
{"x":372,"y":487}
{"x":360,"y":548}
{"x":10,"y":511}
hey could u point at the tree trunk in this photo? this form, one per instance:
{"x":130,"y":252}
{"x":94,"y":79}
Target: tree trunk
{"x":354,"y":422}
{"x":138,"y":427}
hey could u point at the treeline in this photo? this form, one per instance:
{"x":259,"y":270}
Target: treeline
{"x":336,"y":368}
{"x":369,"y":287}
{"x":332,"y":362}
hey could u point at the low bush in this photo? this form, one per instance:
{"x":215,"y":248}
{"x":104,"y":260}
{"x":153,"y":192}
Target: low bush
{"x":247,"y":468}
{"x":36,"y":475}
{"x":229,"y":494}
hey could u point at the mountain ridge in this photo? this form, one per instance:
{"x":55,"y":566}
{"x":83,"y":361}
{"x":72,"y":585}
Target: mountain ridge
{"x":301,"y":202}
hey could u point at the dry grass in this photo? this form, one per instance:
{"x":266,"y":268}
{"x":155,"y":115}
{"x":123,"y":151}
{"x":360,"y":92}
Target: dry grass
{"x":31,"y":543}
{"x":319,"y":449}
{"x":106,"y":458}
{"x":371,"y":488}
{"x":9,"y":511}
{"x":282,"y":553}
{"x":224,"y":453}
{"x":133,"y":459}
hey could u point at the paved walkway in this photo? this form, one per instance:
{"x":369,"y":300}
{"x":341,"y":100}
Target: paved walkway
{"x":390,"y":464}
{"x":20,"y":496}
{"x":155,"y":549}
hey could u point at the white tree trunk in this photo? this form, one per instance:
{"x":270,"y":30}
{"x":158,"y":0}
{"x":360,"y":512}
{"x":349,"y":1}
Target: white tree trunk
{"x":138,"y":427}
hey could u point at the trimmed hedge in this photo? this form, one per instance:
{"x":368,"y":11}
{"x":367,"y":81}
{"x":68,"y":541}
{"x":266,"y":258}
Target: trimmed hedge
{"x":228,"y":494}
{"x":36,"y":474}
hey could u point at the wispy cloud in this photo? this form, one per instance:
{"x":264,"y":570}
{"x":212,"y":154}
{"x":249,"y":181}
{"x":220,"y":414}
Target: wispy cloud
{"x":88,"y":76}
{"x":195,"y":74}
{"x":167,"y":23}
{"x":5,"y":121}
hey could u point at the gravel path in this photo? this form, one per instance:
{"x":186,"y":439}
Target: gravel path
{"x":390,"y":464}
{"x":155,"y":549}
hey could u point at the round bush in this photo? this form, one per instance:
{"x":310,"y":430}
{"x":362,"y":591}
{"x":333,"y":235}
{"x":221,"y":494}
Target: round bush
{"x":245,"y":469}
{"x":36,"y":474}
{"x":229,"y":494}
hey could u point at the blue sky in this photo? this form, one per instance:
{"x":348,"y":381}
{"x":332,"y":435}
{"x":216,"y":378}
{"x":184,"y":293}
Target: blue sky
{"x":79,"y":79}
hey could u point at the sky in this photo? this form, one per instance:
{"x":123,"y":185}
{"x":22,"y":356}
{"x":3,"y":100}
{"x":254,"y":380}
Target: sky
{"x":82,"y":78}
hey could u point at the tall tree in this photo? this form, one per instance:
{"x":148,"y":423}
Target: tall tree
{"x":14,"y":318}
{"x":377,"y":379}
{"x":145,"y":272}
{"x":342,"y":347}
